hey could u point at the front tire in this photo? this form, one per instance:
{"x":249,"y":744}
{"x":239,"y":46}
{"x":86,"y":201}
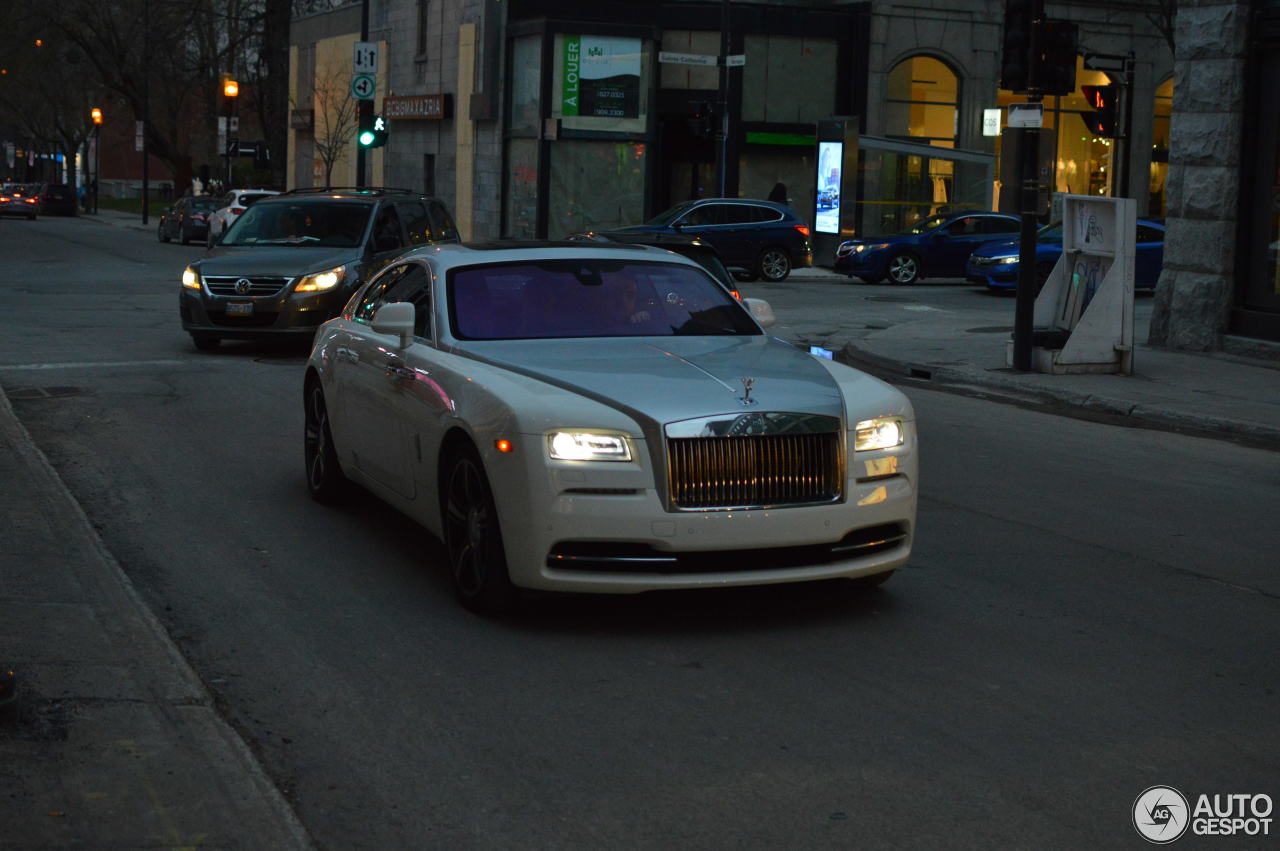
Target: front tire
{"x":473,"y":538}
{"x":326,"y":482}
{"x":185,"y":234}
{"x":774,"y":265}
{"x":904,"y":269}
{"x":160,"y":234}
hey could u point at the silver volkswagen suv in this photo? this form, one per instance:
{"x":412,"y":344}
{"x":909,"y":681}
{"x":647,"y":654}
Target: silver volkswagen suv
{"x":291,"y":261}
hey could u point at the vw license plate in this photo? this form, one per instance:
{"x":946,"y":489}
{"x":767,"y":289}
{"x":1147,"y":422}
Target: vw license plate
{"x":240,"y":309}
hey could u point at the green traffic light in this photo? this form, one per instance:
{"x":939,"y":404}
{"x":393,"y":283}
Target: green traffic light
{"x":366,"y":138}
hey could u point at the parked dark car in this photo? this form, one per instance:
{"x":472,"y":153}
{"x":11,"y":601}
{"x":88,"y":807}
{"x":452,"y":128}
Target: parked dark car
{"x":58,"y":198}
{"x":996,"y":263}
{"x":695,"y":248}
{"x":291,"y":261}
{"x":761,"y":238}
{"x":936,"y":247}
{"x":187,"y":219}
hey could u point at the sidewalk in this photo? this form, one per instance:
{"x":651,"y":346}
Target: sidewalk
{"x":1219,"y":395}
{"x":113,"y":741}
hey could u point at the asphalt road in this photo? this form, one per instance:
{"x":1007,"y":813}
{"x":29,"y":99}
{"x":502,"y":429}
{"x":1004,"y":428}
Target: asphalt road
{"x":1090,"y":611}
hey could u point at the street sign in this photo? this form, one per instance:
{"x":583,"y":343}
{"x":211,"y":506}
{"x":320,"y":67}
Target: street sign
{"x":687,"y":58}
{"x":735,"y":60}
{"x":363,"y":87}
{"x":991,"y":122}
{"x":365,"y":58}
{"x":1026,"y":115}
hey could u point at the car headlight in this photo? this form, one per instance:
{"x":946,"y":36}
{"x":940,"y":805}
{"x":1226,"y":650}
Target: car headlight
{"x":326,"y":280}
{"x":880,"y":433}
{"x":190,"y":278}
{"x":876,"y":247}
{"x":588,"y":446}
{"x":1005,"y":261}
{"x":845,"y":249}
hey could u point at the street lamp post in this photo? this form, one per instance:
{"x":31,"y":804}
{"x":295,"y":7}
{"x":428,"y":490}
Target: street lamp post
{"x":230,"y":90}
{"x":96,"y":114}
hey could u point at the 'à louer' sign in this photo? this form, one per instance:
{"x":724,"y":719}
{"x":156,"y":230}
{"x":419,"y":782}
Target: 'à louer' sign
{"x":600,"y":77}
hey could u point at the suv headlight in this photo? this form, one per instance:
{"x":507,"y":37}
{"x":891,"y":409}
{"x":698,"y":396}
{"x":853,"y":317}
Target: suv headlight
{"x":326,"y":280}
{"x":1004,"y":261}
{"x":880,"y":433}
{"x":190,"y":278}
{"x":587,"y":446}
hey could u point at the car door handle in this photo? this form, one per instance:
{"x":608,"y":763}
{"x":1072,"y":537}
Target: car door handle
{"x":399,"y":371}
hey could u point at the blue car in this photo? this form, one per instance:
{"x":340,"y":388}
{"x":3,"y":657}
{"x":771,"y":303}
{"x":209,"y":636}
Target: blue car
{"x":936,"y":247}
{"x":761,"y":238}
{"x":996,"y":263}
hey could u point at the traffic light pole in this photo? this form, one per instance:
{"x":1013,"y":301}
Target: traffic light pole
{"x":361,"y":155}
{"x":1028,"y":149}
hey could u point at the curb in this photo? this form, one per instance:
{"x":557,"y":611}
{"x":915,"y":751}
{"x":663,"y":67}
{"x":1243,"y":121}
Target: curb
{"x":974,"y":382}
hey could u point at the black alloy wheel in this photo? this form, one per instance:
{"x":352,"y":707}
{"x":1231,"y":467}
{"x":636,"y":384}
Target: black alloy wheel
{"x":904,"y":269}
{"x":775,"y":264}
{"x":160,"y":234}
{"x":325,"y":480}
{"x":473,"y":538}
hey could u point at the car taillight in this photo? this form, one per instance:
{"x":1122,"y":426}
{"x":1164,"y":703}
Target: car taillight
{"x":736,"y":294}
{"x":5,"y":199}
{"x":804,"y":229}
{"x":29,"y":200}
{"x":237,"y":210}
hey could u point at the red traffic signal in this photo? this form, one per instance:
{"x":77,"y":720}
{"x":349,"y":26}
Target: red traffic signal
{"x":1102,"y":100}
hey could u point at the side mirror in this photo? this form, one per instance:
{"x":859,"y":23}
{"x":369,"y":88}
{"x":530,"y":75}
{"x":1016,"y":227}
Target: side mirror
{"x":395,"y":318}
{"x":678,"y":224}
{"x":761,"y":312}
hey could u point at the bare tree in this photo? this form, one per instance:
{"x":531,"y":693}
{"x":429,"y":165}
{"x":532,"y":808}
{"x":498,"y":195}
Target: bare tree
{"x":336,"y":117}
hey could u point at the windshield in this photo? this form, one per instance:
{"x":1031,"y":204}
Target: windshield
{"x":1050,"y":233}
{"x":204,"y":204}
{"x":590,"y":298}
{"x":247,"y":200}
{"x":317,"y":223}
{"x":926,"y":224}
{"x":670,"y":215}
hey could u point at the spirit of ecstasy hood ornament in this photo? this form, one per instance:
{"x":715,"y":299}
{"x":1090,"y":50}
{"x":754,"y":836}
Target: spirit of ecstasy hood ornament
{"x":747,"y":384}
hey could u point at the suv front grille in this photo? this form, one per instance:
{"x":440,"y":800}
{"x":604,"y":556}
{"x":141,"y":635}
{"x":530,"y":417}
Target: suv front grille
{"x":259,"y":285}
{"x":756,"y":470}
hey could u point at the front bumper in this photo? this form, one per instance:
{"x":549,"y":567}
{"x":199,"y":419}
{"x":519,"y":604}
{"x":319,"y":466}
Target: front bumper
{"x":994,"y":275}
{"x":282,"y":314}
{"x":869,"y":264}
{"x":602,"y":528}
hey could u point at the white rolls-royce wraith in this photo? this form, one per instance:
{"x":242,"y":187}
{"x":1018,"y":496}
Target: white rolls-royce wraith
{"x":604,"y":418}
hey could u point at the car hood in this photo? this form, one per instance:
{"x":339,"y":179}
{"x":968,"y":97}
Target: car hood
{"x":287,"y":262}
{"x":659,"y":380}
{"x":641,"y":229}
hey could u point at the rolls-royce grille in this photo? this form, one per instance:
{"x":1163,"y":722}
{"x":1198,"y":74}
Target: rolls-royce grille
{"x":731,"y":472}
{"x":259,"y":285}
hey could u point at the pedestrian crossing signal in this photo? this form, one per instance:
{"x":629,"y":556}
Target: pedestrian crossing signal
{"x":1102,"y":100}
{"x":373,"y":131}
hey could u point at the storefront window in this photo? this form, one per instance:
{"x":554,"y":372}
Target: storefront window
{"x":595,"y":186}
{"x":526,"y":84}
{"x":1160,"y":146}
{"x":520,"y":217}
{"x":921,"y":102}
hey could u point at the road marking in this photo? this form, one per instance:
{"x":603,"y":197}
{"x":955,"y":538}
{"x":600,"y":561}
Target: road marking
{"x":89,"y":364}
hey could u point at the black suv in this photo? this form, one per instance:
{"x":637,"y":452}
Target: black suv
{"x":291,"y":261}
{"x":763,"y":239}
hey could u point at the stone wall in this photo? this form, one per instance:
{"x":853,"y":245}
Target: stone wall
{"x":1194,"y":296}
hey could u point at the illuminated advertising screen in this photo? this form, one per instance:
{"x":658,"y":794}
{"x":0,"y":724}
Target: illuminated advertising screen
{"x":827,"y":208}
